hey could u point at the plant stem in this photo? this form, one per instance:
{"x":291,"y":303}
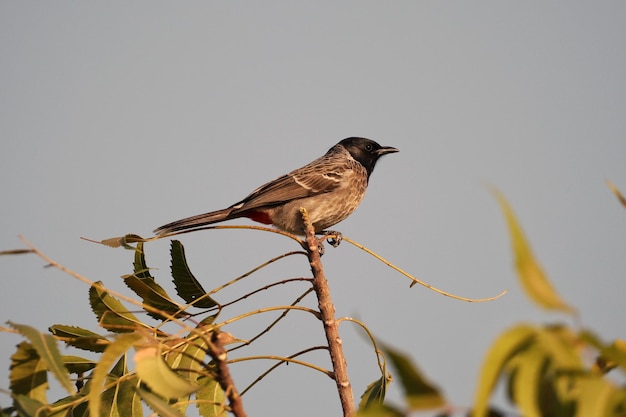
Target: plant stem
{"x":327,"y":315}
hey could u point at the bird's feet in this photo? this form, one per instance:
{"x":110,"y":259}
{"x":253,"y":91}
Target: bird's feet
{"x":332,"y":237}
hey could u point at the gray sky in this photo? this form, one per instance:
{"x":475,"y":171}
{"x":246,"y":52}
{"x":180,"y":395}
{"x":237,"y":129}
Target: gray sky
{"x":119,"y":117}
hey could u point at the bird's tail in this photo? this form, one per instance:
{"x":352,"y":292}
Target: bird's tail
{"x":195,"y":221}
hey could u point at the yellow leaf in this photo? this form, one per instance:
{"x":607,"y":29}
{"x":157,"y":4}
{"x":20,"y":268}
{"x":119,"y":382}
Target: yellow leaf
{"x":532,"y":277}
{"x":510,"y":343}
{"x":154,"y":371}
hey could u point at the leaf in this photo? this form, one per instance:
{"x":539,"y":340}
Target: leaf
{"x":562,"y":347}
{"x":610,"y":355}
{"x":158,"y":405}
{"x":123,"y":398}
{"x":77,"y":365}
{"x":144,"y":285}
{"x":46,"y":347}
{"x":153,"y":295}
{"x":528,"y":377}
{"x":211,"y":400}
{"x":28,"y":374}
{"x":380,"y":410}
{"x":155,"y":373}
{"x":596,"y":397}
{"x":419,"y":393}
{"x":501,"y":351}
{"x":532,"y":277}
{"x":140,"y":268}
{"x":375,"y":393}
{"x":115,"y":350}
{"x":27,"y":406}
{"x":124,"y":241}
{"x":189,"y":357}
{"x":111,"y":313}
{"x":187,"y":286}
{"x":80,"y":338}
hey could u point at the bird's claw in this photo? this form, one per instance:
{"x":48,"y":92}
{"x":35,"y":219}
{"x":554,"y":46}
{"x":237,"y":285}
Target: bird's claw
{"x":333,"y":238}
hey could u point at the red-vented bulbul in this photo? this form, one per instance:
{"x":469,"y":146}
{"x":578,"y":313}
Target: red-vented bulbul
{"x":329,"y":188}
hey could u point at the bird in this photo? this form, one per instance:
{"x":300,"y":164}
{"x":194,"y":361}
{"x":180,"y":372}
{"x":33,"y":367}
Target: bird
{"x":330,"y":188}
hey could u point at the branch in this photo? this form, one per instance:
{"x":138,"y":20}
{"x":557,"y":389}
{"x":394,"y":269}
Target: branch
{"x":218,"y":353}
{"x":327,"y":315}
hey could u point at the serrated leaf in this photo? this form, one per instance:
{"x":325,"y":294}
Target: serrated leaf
{"x":375,"y":393}
{"x":153,"y":295}
{"x":154,"y":372}
{"x":47,"y":349}
{"x":420,"y":394}
{"x":506,"y":346}
{"x":140,"y":267}
{"x":531,"y":274}
{"x":187,"y":286}
{"x":28,"y":375}
{"x":80,"y":338}
{"x":211,"y":400}
{"x":111,"y":313}
{"x":111,"y":354}
{"x":77,"y":365}
{"x":158,"y":405}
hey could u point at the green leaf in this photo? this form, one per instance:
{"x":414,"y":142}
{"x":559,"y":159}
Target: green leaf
{"x":501,"y":351}
{"x":380,"y":410}
{"x":46,"y":347}
{"x":28,"y":374}
{"x":115,"y":350}
{"x":80,"y":338}
{"x":189,"y":357}
{"x":140,"y":268}
{"x":420,"y":394}
{"x":122,"y":399}
{"x":27,"y":406}
{"x":111,"y":313}
{"x":153,"y":295}
{"x":144,"y":285}
{"x":532,"y":277}
{"x":187,"y":286}
{"x":155,"y":373}
{"x":158,"y":405}
{"x":211,"y":401}
{"x":375,"y":392}
{"x":78,"y":365}
{"x":124,"y":241}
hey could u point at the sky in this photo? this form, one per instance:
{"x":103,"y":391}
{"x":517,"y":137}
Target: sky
{"x":119,"y":117}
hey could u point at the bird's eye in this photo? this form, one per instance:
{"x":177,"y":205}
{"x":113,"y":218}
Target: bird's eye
{"x":369,"y":147}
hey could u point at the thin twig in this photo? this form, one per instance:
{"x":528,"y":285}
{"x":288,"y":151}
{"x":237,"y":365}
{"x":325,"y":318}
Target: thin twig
{"x":418,"y":281}
{"x":331,"y":326}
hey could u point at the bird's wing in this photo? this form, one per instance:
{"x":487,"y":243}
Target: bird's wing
{"x":312,"y":179}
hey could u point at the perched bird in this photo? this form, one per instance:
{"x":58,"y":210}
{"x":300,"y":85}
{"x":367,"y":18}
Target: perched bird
{"x":330,"y":188}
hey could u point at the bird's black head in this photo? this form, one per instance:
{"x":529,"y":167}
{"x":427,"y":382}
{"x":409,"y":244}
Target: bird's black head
{"x":366,"y":151}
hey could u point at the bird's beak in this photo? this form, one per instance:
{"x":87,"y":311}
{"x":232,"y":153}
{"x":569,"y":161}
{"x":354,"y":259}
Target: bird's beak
{"x":387,"y":149}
